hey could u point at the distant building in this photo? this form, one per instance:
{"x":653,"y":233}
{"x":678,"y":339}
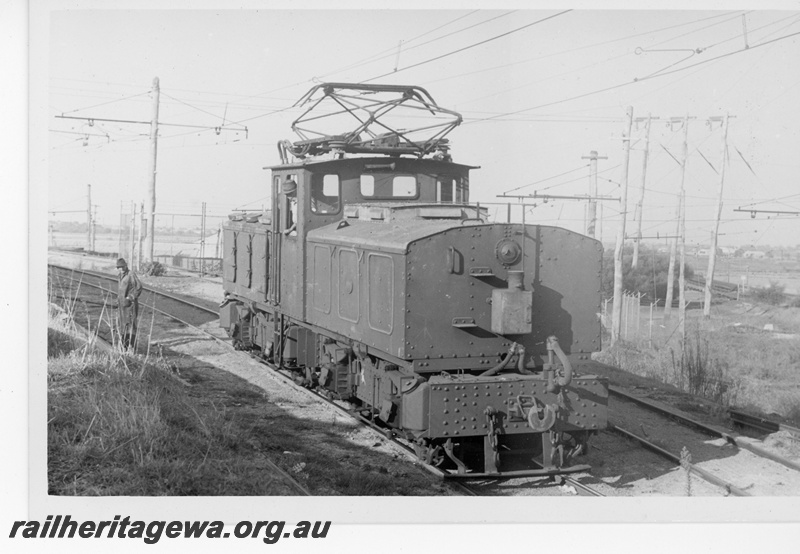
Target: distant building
{"x":754,"y":254}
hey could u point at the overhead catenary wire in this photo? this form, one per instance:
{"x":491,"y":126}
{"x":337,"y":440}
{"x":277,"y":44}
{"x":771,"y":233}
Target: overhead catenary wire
{"x":584,"y":166}
{"x":468,"y":47}
{"x":635,"y":81}
{"x":572,"y":50}
{"x":389,"y":52}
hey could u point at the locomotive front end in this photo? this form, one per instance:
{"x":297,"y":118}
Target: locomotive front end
{"x":515,"y":309}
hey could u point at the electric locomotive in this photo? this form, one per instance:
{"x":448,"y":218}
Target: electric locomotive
{"x":378,"y":282}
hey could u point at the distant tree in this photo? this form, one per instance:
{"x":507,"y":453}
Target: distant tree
{"x":649,"y":277}
{"x":773,"y":294}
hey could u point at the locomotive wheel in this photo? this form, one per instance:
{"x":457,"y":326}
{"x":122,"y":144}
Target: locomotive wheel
{"x":429,"y":454}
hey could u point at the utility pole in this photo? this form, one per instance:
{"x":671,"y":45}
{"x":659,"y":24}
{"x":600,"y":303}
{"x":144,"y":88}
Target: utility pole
{"x":88,"y":218}
{"x":142,"y":223}
{"x":682,"y":258}
{"x":712,"y":256}
{"x":149,"y":232}
{"x":679,"y":235}
{"x":202,"y":240}
{"x":616,"y":319}
{"x":151,"y":192}
{"x":132,"y":235}
{"x":591,"y":215}
{"x":637,"y":215}
{"x":94,"y":227}
{"x":600,"y":225}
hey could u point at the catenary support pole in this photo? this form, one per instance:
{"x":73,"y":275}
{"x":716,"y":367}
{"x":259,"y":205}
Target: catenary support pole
{"x":591,"y":209}
{"x":151,"y":192}
{"x":94,"y":228}
{"x":637,"y":214}
{"x":142,"y":222}
{"x":88,"y":218}
{"x":616,"y":319}
{"x":679,"y":237}
{"x":712,"y":255}
{"x":132,"y":237}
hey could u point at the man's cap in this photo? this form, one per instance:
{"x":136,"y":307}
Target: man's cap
{"x":289,"y":186}
{"x":122,"y":263}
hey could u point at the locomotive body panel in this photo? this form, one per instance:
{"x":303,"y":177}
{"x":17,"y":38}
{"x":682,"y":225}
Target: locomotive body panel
{"x":246,"y":252}
{"x":451,"y":279}
{"x":457,"y":408}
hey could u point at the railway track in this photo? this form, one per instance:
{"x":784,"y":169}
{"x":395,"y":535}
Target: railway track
{"x":194,"y":313}
{"x":108,"y":341}
{"x":725,"y":460}
{"x":205,"y":312}
{"x":107,"y":335}
{"x":738,"y":442}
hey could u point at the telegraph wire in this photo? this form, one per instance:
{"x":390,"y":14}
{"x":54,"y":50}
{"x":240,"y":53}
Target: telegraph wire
{"x":314,"y":79}
{"x":389,"y":52}
{"x":189,"y":105}
{"x":109,"y":102}
{"x":737,"y":16}
{"x":503,"y":66}
{"x":548,"y":178}
{"x":635,"y":81}
{"x":609,"y":60}
{"x":490,"y":39}
{"x":756,"y":29}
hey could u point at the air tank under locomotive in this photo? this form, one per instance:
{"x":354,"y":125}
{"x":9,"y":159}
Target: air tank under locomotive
{"x":378,"y":282}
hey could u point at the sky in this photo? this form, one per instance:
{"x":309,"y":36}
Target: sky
{"x":538,"y":90}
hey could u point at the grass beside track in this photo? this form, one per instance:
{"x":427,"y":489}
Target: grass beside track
{"x":119,"y":427}
{"x":120,"y":424}
{"x":729,"y":359}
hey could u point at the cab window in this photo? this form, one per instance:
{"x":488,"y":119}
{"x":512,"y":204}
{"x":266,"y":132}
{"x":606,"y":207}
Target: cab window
{"x":325,"y":194}
{"x":462,"y":190}
{"x":389,"y":186}
{"x":444,"y":190}
{"x":452,"y":189}
{"x":289,"y":209}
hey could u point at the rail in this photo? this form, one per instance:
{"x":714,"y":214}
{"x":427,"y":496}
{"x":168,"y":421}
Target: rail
{"x":710,"y":477}
{"x":712,"y":431}
{"x":761,"y":424}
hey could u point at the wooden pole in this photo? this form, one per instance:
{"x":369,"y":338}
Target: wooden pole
{"x":617,"y":308}
{"x":637,"y":215}
{"x":591,"y":210}
{"x":132,"y":237}
{"x":88,"y":218}
{"x":151,"y":192}
{"x":202,"y":240}
{"x":142,"y":222}
{"x":712,"y":255}
{"x":94,"y":228}
{"x":673,"y":247}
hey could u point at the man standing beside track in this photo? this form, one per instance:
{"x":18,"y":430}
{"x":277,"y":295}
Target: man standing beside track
{"x":128,"y":302}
